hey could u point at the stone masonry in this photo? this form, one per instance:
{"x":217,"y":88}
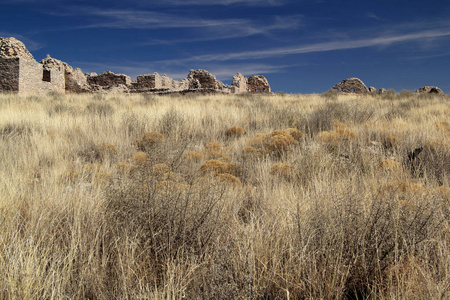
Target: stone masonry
{"x":21,"y":73}
{"x":351,"y":86}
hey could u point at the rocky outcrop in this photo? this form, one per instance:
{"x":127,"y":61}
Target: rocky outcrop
{"x":372,"y":90}
{"x":351,"y":86}
{"x":430,"y":90}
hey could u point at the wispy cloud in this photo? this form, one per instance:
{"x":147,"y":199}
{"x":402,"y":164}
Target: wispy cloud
{"x":180,"y":71}
{"x":201,"y":29}
{"x":322,"y":47}
{"x":224,"y":2}
{"x":371,"y":15}
{"x":171,"y":2}
{"x":236,"y":31}
{"x":131,"y":19}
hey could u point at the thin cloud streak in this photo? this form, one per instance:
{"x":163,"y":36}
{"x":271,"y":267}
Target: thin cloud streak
{"x":232,"y":32}
{"x":223,"y":2}
{"x":129,"y":19}
{"x":178,"y":72}
{"x":321,"y":47}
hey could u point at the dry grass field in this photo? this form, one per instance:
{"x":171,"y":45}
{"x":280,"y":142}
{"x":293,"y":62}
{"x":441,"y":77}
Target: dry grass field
{"x":225,"y":197}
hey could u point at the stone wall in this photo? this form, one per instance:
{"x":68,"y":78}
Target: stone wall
{"x":206,"y":80}
{"x":20,"y":72}
{"x":75,"y":79}
{"x":258,"y":84}
{"x":9,"y":68}
{"x":34,"y":78}
{"x":351,"y":85}
{"x":239,"y":84}
{"x":108,"y":78}
{"x":146,"y":81}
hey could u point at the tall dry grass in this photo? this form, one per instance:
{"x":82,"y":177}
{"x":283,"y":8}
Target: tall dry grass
{"x":224,"y":197}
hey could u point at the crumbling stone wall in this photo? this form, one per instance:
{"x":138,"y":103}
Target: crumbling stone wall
{"x":351,"y":85}
{"x":146,"y":81}
{"x":75,"y":79}
{"x":155,"y":81}
{"x":34,"y":77}
{"x":205,"y":79}
{"x":239,"y":84}
{"x":108,"y":78}
{"x":20,"y":72}
{"x":258,"y":84}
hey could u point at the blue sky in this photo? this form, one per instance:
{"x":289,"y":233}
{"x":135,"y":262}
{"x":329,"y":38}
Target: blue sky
{"x":302,"y":46}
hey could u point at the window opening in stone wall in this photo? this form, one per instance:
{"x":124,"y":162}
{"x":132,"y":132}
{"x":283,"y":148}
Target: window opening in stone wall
{"x":46,"y":76}
{"x":353,"y":90}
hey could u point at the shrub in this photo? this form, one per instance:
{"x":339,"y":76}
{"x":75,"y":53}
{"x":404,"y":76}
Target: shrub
{"x":214,"y":166}
{"x":295,"y":133}
{"x":390,"y":165}
{"x":161,"y":170}
{"x":390,"y":142}
{"x":229,"y":180}
{"x":193,"y":156}
{"x":250,"y":152}
{"x":213,"y":150}
{"x":140,"y":158}
{"x":149,"y":141}
{"x":279,"y":142}
{"x":234,"y":131}
{"x":282,"y":170}
{"x":275,"y":143}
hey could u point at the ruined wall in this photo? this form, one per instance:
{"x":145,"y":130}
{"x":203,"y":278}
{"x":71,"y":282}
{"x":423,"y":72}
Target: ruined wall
{"x":9,"y":68}
{"x":258,"y":84}
{"x":156,"y":81}
{"x":20,"y":72}
{"x":34,"y":78}
{"x":146,"y":81}
{"x":239,"y":84}
{"x":205,"y":79}
{"x":351,"y":85}
{"x":75,"y":79}
{"x":109,"y":79}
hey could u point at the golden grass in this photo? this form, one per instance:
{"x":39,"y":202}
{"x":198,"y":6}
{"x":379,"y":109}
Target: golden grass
{"x":149,"y":197}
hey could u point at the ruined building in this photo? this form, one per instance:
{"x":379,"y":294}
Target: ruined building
{"x":20,"y":72}
{"x":351,"y":85}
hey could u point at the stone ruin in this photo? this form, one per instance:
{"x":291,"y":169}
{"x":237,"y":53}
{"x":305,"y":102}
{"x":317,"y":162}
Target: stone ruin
{"x":356,"y":86}
{"x":21,"y":73}
{"x":430,"y":90}
{"x":351,"y":86}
